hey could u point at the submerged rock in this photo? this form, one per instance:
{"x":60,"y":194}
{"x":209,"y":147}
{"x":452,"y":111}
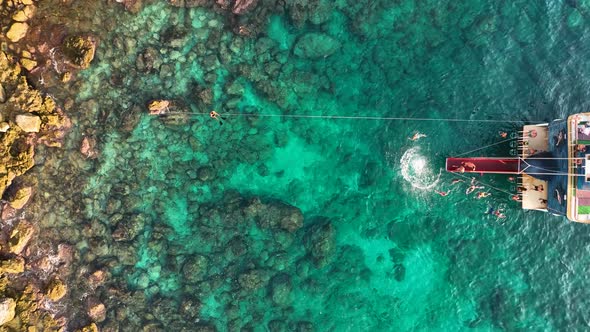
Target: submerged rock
{"x":319,"y":242}
{"x":96,"y":310}
{"x":281,"y":289}
{"x":252,"y":280}
{"x":195,"y":268}
{"x":243,"y":6}
{"x":316,"y":45}
{"x":56,"y":290}
{"x":79,"y":50}
{"x":275,"y":214}
{"x":88,"y":147}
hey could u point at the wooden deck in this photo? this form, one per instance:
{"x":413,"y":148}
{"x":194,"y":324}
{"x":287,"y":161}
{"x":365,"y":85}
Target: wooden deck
{"x":534,"y":199}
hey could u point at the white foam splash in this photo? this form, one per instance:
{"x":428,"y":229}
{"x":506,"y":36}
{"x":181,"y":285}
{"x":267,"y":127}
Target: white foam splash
{"x":416,"y":169}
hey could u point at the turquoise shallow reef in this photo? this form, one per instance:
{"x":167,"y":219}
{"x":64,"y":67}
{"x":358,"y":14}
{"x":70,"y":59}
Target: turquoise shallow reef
{"x":289,"y":223}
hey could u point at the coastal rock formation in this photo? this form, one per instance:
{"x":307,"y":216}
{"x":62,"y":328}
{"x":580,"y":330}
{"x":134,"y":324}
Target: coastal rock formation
{"x":42,"y":122}
{"x":18,"y":196}
{"x":7,"y":310}
{"x":12,"y":265}
{"x":20,"y":237}
{"x":28,"y":123}
{"x":17,"y":31}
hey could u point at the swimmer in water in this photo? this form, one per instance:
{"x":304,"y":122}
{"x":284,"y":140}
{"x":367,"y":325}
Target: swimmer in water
{"x":482,"y":194}
{"x":455,"y":181}
{"x":216,"y":116}
{"x":417,"y":136}
{"x":498,"y":213}
{"x":443,"y":193}
{"x":503,"y":134}
{"x":472,"y":189}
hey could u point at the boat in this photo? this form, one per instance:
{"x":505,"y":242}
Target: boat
{"x":548,"y":165}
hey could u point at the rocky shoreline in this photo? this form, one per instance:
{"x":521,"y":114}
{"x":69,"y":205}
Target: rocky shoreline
{"x":49,"y":277}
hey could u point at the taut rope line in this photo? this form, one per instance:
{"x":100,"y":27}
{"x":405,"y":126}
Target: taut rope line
{"x":351,"y":117}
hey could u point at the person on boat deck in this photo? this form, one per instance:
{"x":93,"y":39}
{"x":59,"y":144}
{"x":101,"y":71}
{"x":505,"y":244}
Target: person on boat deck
{"x":460,"y":169}
{"x":558,"y":196}
{"x":532,"y":133}
{"x":538,"y":188}
{"x":559,"y":138}
{"x":543,"y":201}
{"x":468,"y":165}
{"x":521,"y":189}
{"x":581,"y":148}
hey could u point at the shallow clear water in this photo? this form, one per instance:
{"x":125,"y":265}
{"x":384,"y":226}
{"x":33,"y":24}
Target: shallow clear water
{"x":404,"y":258}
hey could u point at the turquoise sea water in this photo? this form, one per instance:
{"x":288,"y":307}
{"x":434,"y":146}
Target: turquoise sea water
{"x":378,"y":250}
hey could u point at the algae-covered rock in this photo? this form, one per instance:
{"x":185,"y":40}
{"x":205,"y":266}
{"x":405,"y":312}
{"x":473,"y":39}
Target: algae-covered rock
{"x":12,"y":265}
{"x":17,"y":31}
{"x":79,"y":50}
{"x":20,"y":237}
{"x":56,"y":290}
{"x":89,"y":328}
{"x":252,"y":280}
{"x":195,"y":268}
{"x":7,"y":310}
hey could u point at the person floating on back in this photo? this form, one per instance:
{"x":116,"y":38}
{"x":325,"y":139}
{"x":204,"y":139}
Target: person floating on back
{"x":216,"y":116}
